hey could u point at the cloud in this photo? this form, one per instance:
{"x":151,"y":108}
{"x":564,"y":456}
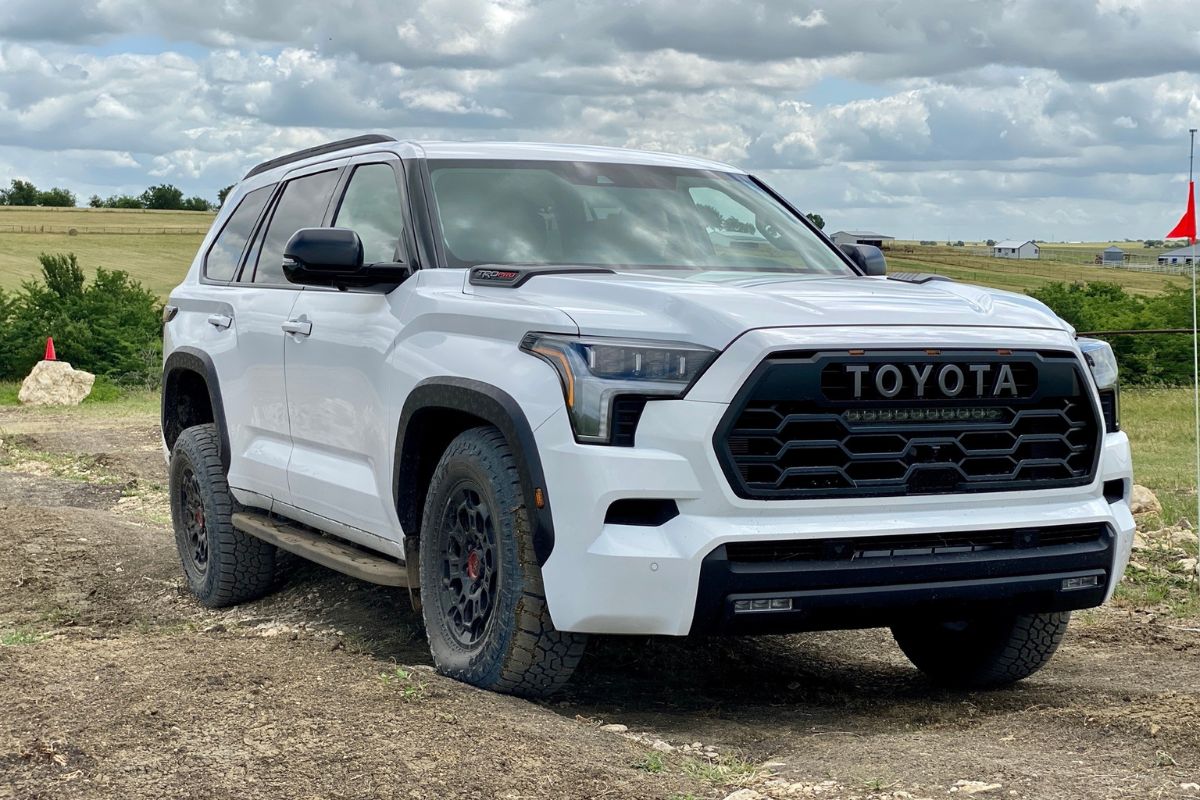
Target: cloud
{"x":963,"y":114}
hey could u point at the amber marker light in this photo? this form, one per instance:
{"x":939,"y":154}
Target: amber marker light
{"x":569,"y":376}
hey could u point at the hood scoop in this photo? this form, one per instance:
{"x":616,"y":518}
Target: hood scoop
{"x":916,"y":277}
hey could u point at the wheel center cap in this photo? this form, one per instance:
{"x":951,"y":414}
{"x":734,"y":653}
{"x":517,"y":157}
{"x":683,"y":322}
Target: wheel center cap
{"x":473,"y":570}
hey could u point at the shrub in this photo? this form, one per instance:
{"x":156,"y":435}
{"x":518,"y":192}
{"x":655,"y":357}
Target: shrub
{"x":111,"y":326}
{"x":1144,"y":358}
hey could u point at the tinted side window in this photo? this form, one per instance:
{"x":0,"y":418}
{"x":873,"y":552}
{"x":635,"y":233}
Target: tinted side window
{"x":222,"y":260}
{"x":372,"y":208}
{"x":302,"y":205}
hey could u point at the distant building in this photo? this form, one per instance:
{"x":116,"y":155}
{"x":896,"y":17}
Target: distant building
{"x":1184,"y":255}
{"x":1012,"y":248}
{"x":861,"y":237}
{"x":1112,"y":255}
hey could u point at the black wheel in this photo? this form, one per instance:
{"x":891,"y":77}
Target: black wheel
{"x":481,"y":587}
{"x":983,"y":652}
{"x":222,"y":566}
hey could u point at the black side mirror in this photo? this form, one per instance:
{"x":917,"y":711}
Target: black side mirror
{"x":867,"y":258}
{"x":334,"y":257}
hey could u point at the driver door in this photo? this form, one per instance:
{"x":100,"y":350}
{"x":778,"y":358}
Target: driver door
{"x":340,"y":383}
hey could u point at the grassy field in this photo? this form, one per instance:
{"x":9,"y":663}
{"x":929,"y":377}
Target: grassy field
{"x":1160,"y":427}
{"x":155,"y":247}
{"x":1019,"y":276}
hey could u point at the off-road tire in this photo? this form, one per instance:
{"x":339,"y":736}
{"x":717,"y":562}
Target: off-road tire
{"x":235,"y":567}
{"x":517,"y":650}
{"x":984,"y":652}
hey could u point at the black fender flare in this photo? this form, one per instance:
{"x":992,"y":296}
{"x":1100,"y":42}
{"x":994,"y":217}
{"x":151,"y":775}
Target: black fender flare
{"x":189,"y":359}
{"x":494,"y":406}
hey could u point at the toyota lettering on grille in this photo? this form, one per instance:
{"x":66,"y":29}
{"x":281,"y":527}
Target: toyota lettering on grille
{"x":932,"y":380}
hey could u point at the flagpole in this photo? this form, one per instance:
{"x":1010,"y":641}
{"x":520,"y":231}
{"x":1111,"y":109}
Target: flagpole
{"x":1195,"y":345}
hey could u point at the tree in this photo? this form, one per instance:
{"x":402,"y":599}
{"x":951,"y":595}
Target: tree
{"x":123,"y":201}
{"x":95,"y":201}
{"x":21,"y":193}
{"x":221,"y":195}
{"x":196,"y":204}
{"x":991,"y":242}
{"x":58,"y":197}
{"x":163,"y":196}
{"x":818,"y":220}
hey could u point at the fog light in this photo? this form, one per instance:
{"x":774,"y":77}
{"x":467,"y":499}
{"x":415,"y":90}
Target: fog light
{"x":1080,"y":583}
{"x":762,"y":604}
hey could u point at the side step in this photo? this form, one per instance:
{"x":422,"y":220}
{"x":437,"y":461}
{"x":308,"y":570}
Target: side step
{"x":323,"y":550}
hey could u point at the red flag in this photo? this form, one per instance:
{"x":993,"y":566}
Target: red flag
{"x":1187,"y":225}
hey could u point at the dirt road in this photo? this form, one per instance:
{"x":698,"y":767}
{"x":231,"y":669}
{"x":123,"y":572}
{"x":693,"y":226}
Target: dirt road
{"x":114,"y":683}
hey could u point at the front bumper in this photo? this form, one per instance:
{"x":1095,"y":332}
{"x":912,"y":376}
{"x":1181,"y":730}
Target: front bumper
{"x":885,"y":589}
{"x":667,"y":579}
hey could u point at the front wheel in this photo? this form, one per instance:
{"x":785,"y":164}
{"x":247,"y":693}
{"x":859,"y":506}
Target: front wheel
{"x":481,"y":587}
{"x":982,"y":652}
{"x":222,"y":565}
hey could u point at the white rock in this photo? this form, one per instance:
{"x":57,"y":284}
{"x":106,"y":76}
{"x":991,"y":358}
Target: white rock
{"x":1143,"y":501}
{"x":1139,"y":542}
{"x":974,"y":787}
{"x":662,"y":746}
{"x":55,"y":383}
{"x":1186,"y":565}
{"x":744,"y":794}
{"x":1184,"y":539}
{"x":614,"y":728}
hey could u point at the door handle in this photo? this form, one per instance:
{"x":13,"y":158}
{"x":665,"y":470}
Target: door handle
{"x":298,"y":327}
{"x":221,"y":321}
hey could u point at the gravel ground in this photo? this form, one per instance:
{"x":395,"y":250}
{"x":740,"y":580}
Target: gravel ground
{"x":114,"y":683}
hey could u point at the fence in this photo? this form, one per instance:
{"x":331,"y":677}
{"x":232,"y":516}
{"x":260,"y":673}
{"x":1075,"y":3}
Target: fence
{"x":74,"y":230}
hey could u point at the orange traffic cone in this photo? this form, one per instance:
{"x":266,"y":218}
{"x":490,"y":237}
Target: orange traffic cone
{"x":50,"y":350}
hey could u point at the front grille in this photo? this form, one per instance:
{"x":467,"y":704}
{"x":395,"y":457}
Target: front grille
{"x":888,"y":423}
{"x":921,"y":544}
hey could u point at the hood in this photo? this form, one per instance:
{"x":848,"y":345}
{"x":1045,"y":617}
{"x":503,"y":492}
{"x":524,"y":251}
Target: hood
{"x":713,"y":309}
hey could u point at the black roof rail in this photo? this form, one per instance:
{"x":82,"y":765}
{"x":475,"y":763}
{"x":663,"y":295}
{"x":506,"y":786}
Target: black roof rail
{"x":320,"y":150}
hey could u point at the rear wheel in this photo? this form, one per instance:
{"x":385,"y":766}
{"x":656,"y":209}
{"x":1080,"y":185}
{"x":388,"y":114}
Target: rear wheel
{"x":222,"y":566}
{"x":481,"y":587}
{"x":982,"y":652}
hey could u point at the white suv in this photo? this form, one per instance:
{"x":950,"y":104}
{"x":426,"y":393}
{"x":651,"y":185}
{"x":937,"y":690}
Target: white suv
{"x":558,"y":391}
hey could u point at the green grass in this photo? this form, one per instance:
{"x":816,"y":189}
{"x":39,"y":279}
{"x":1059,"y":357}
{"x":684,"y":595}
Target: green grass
{"x":404,"y":681}
{"x":726,"y":771}
{"x":654,"y":763}
{"x":1160,"y":426}
{"x":17,"y":638}
{"x":106,"y":399}
{"x":131,"y":240}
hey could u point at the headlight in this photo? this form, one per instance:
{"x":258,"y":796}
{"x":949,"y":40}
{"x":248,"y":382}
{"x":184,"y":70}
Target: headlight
{"x":1099,"y":357}
{"x":596,"y":371}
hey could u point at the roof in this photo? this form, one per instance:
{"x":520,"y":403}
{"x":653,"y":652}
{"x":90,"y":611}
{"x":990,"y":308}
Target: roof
{"x":1014,"y":244}
{"x":498,"y":151}
{"x":537,"y":151}
{"x":862,"y":235}
{"x":1191,"y":250}
{"x":1112,"y":248}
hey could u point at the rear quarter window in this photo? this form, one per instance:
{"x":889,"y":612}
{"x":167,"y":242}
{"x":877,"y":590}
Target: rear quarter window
{"x":221,"y":261}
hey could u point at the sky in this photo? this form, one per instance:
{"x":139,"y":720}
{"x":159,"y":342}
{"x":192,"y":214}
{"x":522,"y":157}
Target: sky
{"x":919,"y":119}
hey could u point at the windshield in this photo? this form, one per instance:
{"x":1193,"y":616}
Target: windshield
{"x":622,"y":216}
